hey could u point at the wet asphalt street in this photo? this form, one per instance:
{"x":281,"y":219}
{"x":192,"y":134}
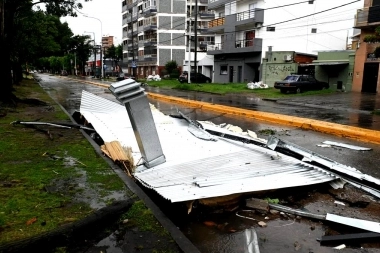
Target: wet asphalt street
{"x":343,"y":108}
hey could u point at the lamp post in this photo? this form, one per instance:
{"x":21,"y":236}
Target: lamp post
{"x":101,"y":42}
{"x":94,"y":65}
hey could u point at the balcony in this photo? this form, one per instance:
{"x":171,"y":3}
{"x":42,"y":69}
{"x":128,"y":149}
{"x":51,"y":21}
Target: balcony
{"x":216,"y":25}
{"x":207,"y":14}
{"x":204,"y":44}
{"x":150,"y":57}
{"x":235,"y":47}
{"x":249,"y":18}
{"x":215,"y":47}
{"x":134,"y":17}
{"x":150,"y":10}
{"x":203,"y":30}
{"x":131,"y":3}
{"x":367,"y":17}
{"x":150,"y":42}
{"x":150,"y":27}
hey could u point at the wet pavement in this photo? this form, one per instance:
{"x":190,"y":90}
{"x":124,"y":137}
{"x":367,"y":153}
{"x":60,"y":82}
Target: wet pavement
{"x":227,"y":232}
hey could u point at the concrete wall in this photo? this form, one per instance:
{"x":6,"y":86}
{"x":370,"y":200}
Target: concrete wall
{"x":334,"y":73}
{"x":249,"y":66}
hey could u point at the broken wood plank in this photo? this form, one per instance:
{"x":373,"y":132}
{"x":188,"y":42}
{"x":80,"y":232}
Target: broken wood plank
{"x":258,"y":204}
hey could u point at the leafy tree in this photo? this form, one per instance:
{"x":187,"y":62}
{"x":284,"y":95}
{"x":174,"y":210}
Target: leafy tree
{"x":170,"y":66}
{"x":16,"y":14}
{"x":115,"y":54}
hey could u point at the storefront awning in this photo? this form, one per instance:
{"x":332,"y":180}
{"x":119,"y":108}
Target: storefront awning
{"x":326,"y":63}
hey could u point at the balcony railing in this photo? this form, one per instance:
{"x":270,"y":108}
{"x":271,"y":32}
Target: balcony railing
{"x":206,"y":14}
{"x":152,"y":26}
{"x":369,"y":16}
{"x":216,"y":22}
{"x":244,"y":43}
{"x":150,"y":10}
{"x":150,"y":57}
{"x":217,"y":46}
{"x":245,"y":15}
{"x":150,"y":42}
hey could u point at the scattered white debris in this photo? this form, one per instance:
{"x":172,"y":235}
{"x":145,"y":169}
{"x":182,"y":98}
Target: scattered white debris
{"x":339,"y":203}
{"x":153,"y":78}
{"x":343,"y":145}
{"x":357,"y":223}
{"x":340,"y":247}
{"x":257,"y":85}
{"x":262,"y":224}
{"x":324,"y":145}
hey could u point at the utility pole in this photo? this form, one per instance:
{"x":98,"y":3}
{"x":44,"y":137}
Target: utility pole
{"x":196,"y":41}
{"x":189,"y":41}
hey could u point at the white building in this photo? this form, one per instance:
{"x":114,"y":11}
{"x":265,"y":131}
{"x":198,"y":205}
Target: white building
{"x":245,"y":29}
{"x":156,"y":31}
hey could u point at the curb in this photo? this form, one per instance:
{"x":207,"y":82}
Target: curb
{"x":355,"y":133}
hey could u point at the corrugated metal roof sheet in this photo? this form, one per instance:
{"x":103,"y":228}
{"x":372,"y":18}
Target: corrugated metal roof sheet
{"x":196,"y":168}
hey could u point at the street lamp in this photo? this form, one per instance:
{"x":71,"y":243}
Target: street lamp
{"x":101,"y":42}
{"x":94,"y":63}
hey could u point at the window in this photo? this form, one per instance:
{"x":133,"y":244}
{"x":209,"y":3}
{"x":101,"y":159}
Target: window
{"x":271,"y":29}
{"x":223,"y":70}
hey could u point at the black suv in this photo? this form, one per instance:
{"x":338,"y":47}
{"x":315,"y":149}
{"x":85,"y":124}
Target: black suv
{"x":300,"y":83}
{"x":198,"y":78}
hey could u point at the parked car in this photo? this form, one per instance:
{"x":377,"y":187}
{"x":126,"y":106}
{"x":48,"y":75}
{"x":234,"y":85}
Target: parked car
{"x":198,"y":78}
{"x":64,"y":73}
{"x":123,"y":76}
{"x":300,"y":83}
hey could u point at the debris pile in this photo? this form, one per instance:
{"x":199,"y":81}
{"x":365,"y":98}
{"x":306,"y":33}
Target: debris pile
{"x":119,"y":155}
{"x":257,"y":85}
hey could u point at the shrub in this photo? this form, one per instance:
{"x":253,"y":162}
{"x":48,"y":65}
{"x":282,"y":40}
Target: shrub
{"x":170,"y":66}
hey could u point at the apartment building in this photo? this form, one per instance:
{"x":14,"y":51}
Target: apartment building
{"x":244,"y":29}
{"x":366,"y":70}
{"x":107,"y":41}
{"x":157,"y":31}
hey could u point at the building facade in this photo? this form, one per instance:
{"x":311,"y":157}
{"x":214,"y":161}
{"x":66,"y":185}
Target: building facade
{"x":107,"y":41}
{"x":366,"y":72}
{"x":157,"y":31}
{"x":246,"y":28}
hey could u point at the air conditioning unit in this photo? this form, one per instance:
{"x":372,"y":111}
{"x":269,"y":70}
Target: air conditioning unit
{"x":287,"y":57}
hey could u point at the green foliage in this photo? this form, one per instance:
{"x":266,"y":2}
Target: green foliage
{"x":40,"y":181}
{"x":174,"y":73}
{"x":272,"y":201}
{"x":377,"y":52}
{"x":223,"y":88}
{"x":170,"y":66}
{"x":371,"y":38}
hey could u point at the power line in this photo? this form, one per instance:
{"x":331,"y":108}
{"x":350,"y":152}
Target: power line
{"x":311,"y":14}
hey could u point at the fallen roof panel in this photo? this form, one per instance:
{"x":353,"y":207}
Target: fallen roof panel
{"x":197,"y":168}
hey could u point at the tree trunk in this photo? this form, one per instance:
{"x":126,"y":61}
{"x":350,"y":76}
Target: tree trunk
{"x":5,"y":58}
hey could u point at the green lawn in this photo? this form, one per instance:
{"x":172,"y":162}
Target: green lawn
{"x":223,"y":88}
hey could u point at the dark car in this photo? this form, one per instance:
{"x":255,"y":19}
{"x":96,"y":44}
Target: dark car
{"x":194,"y":78}
{"x":300,"y":83}
{"x":123,"y":76}
{"x":64,"y":73}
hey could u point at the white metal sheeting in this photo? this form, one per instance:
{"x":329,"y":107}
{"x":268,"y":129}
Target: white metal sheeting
{"x":196,"y":168}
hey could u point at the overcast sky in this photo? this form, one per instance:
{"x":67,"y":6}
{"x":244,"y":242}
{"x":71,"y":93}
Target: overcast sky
{"x":107,"y":11}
